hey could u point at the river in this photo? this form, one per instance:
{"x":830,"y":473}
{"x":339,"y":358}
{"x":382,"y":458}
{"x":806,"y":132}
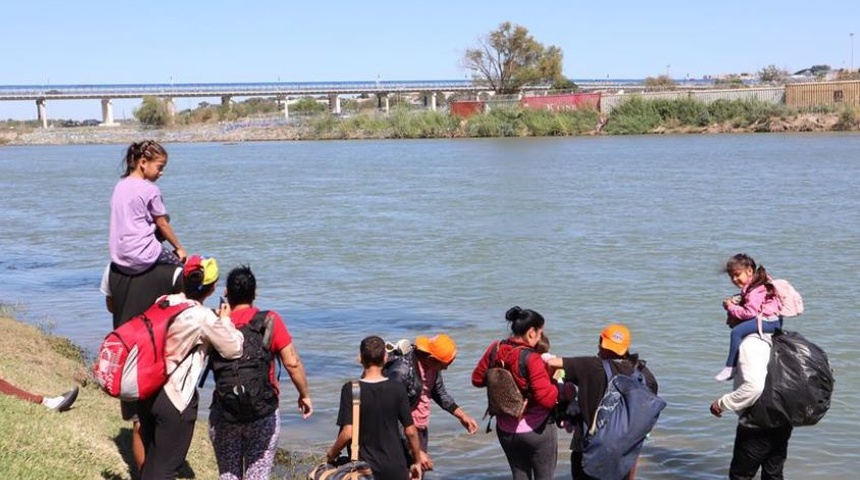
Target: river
{"x":401,"y":238}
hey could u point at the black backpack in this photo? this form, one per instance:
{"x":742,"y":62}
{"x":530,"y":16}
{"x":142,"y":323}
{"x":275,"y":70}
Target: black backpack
{"x":243,"y":391}
{"x":798,"y":386}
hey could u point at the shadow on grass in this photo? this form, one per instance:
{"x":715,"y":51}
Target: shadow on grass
{"x":123,"y":445}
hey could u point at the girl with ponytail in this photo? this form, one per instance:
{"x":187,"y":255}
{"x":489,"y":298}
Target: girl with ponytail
{"x":138,"y":215}
{"x":754,"y":309}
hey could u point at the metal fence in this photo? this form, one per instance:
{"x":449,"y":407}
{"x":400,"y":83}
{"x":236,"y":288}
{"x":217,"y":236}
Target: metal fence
{"x":765,"y":94}
{"x":805,"y":95}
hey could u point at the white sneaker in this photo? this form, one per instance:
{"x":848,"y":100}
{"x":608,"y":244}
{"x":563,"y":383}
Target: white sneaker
{"x":63,"y":402}
{"x":727,"y":373}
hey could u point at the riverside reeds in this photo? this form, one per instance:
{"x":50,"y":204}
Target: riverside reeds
{"x":639,"y":116}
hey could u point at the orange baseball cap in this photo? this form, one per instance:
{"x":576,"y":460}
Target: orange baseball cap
{"x":441,"y":347}
{"x":616,"y":338}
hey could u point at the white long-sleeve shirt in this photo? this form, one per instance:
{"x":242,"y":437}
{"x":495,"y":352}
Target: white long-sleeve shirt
{"x":196,"y":326}
{"x":750,"y":374}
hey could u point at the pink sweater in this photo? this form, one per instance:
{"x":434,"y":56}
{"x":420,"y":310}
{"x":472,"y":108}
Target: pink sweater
{"x":754,"y":302}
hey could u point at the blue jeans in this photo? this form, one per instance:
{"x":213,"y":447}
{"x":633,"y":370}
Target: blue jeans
{"x":745,"y":328}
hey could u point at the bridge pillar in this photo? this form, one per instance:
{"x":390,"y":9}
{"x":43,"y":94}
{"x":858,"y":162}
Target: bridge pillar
{"x":225,"y":101}
{"x":334,"y":103}
{"x":382,"y":102}
{"x":42,"y":112}
{"x":171,"y":110}
{"x":283,"y":99}
{"x":107,"y":113}
{"x":430,"y":101}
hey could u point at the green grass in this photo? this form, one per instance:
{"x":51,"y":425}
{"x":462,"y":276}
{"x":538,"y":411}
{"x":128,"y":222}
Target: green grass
{"x":640,"y":116}
{"x":848,"y":119}
{"x":404,"y":123}
{"x":90,"y":441}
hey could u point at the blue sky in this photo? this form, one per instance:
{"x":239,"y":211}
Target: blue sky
{"x":158,"y":41}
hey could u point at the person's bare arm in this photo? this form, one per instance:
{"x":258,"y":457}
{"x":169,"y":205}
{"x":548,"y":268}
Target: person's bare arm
{"x":296,"y":370}
{"x":422,"y":460}
{"x":166,"y":230}
{"x":553,"y":363}
{"x":466,"y":421}
{"x":344,"y":436}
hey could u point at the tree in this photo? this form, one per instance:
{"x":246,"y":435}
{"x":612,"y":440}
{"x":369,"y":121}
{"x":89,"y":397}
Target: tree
{"x":307,"y":105}
{"x":152,"y":112}
{"x":564,"y":83}
{"x":663,"y":82}
{"x":729,"y":81}
{"x":509,"y":58}
{"x":772,"y":74}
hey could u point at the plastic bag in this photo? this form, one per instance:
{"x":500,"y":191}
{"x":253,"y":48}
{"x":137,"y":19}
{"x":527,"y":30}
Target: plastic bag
{"x":798,"y":387}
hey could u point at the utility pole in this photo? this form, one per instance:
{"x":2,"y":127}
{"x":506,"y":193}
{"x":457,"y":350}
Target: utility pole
{"x":851,"y":63}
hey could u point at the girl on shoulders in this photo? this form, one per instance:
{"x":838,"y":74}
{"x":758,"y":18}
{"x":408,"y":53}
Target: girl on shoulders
{"x":138,"y":213}
{"x":754,"y":309}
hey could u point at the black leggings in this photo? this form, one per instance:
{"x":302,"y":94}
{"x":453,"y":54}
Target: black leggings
{"x":166,"y":435}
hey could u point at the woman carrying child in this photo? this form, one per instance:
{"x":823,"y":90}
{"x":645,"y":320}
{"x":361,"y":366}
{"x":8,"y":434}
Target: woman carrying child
{"x":138,"y":211}
{"x":754,"y":309}
{"x":530,"y":442}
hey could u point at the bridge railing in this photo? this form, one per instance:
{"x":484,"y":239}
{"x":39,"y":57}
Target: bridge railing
{"x":36,"y":92}
{"x":14,"y":92}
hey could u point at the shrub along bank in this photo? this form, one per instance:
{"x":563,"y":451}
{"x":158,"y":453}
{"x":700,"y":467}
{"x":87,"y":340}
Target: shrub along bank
{"x":635,"y":117}
{"x":498,"y":122}
{"x":640,"y":116}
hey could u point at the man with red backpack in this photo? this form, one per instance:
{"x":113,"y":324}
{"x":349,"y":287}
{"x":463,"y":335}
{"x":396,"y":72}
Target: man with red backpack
{"x":167,"y":418}
{"x":127,"y":296}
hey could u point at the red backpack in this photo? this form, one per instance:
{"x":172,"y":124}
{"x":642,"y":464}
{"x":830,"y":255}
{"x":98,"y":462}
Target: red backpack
{"x":130,"y":362}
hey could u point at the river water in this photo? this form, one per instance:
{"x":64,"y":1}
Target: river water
{"x":400,"y":238}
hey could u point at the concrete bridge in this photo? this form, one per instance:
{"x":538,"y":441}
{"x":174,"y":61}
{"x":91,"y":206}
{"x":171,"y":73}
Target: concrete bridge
{"x":283,"y":91}
{"x":41,"y":94}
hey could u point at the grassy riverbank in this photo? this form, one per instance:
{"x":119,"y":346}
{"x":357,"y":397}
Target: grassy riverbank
{"x":635,"y":117}
{"x":90,"y":440}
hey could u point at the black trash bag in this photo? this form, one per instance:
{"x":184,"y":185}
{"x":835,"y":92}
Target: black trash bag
{"x":798,"y":387}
